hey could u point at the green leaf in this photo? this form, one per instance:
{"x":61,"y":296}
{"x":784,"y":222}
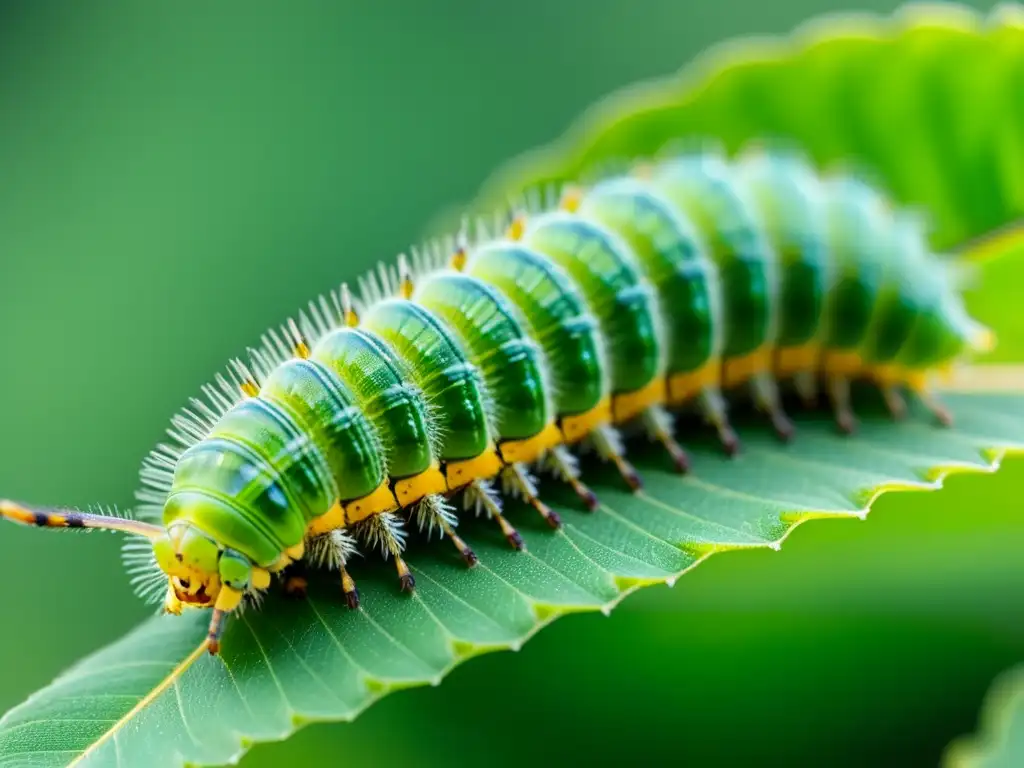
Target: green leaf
{"x":928,"y":102}
{"x":999,"y":742}
{"x":154,"y":698}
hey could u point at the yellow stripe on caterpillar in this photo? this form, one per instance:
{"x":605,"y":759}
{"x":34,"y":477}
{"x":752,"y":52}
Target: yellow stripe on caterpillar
{"x":575,"y":428}
{"x":737,"y":370}
{"x":342,"y":515}
{"x":629,"y":405}
{"x":792,"y":360}
{"x":848,"y":364}
{"x":532,"y":448}
{"x":382,"y":499}
{"x":460,"y":473}
{"x":409,"y":490}
{"x":684,"y":386}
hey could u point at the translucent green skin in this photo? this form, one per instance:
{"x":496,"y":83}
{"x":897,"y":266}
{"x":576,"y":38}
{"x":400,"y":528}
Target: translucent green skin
{"x":275,"y":462}
{"x":673,"y":258}
{"x":497,"y":344}
{"x":788,"y":196}
{"x":556,"y":317}
{"x":895,"y":300}
{"x":706,"y":191}
{"x":856,"y":232}
{"x":394,"y":407}
{"x":439,"y":367}
{"x":606,"y":275}
{"x":918,"y":320}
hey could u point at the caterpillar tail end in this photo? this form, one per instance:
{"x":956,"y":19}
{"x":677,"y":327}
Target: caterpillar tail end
{"x":981,"y":339}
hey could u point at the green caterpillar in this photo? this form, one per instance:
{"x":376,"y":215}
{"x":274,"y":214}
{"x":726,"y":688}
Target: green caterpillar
{"x":600,"y":309}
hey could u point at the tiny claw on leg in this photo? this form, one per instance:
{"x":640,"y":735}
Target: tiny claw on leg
{"x":941,"y":413}
{"x":766,"y":396}
{"x":713,"y":406}
{"x":566,"y":469}
{"x":486,"y":499}
{"x":680,"y":459}
{"x":609,"y":446}
{"x":894,"y":402}
{"x":729,"y":440}
{"x":348,"y":587}
{"x":839,"y":394}
{"x":524,"y":485}
{"x":783,"y":427}
{"x":511,"y":534}
{"x":587,"y":496}
{"x":846,"y":421}
{"x":405,"y":579}
{"x":629,"y":474}
{"x":660,"y":427}
{"x":943,"y":416}
{"x":468,"y":555}
{"x":553,"y":518}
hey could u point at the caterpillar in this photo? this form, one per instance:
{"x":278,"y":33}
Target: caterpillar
{"x":582,"y":314}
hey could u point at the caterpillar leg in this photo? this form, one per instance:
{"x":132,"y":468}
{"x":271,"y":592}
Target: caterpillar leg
{"x":839,"y":394}
{"x":563,"y":465}
{"x":172,"y":604}
{"x":766,"y":396}
{"x":894,"y":401}
{"x":806,"y":385}
{"x":712,"y":404}
{"x":481,"y":496}
{"x":434,"y":512}
{"x":930,"y":401}
{"x":227,"y":601}
{"x":386,"y":531}
{"x":517,"y":481}
{"x":660,"y":426}
{"x":68,"y":518}
{"x":296,"y":581}
{"x":608,"y":443}
{"x":332,"y":550}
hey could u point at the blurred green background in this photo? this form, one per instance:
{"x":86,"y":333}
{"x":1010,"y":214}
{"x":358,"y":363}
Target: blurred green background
{"x":175,"y":177}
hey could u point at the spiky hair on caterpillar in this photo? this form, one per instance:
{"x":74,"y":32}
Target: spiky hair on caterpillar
{"x":513,"y":346}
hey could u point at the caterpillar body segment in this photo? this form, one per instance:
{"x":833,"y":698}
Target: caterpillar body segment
{"x":787,"y":195}
{"x":626,"y":311}
{"x":600,"y":314}
{"x":674,"y":260}
{"x":707,"y":189}
{"x":557,"y":318}
{"x":512,"y":368}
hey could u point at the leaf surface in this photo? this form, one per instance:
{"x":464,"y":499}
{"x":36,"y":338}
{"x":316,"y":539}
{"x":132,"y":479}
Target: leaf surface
{"x":929,"y":103}
{"x":999,"y":742}
{"x":153,"y":699}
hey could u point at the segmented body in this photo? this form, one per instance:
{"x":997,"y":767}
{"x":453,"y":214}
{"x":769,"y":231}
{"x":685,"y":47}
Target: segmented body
{"x":611,"y":307}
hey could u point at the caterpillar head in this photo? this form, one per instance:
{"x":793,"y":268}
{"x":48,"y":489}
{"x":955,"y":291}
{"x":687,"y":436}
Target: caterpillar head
{"x":197,"y":568}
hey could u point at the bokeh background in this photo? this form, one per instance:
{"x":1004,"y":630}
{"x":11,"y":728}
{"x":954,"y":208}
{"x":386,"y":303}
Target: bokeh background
{"x":175,"y":177}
